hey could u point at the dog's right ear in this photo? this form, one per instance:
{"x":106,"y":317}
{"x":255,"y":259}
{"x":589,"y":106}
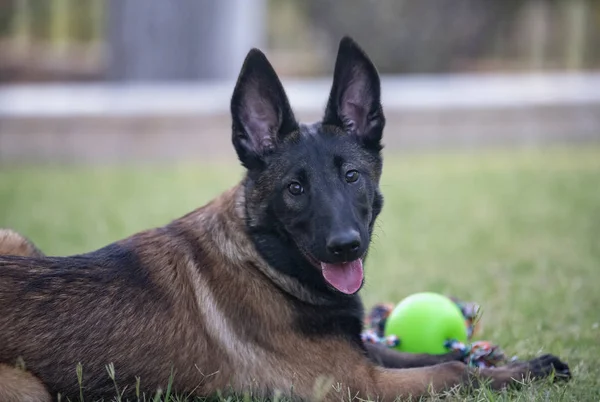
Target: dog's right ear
{"x":260,"y":111}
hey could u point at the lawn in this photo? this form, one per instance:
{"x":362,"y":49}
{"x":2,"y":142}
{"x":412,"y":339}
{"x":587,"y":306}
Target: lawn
{"x":516,"y":231}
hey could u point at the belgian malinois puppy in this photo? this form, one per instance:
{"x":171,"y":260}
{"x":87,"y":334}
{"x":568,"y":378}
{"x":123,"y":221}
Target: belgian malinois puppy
{"x":255,"y":291}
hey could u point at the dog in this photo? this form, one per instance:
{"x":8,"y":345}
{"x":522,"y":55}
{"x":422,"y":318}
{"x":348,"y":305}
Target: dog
{"x":254,"y":292}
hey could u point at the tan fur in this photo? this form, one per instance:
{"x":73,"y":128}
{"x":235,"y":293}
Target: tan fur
{"x":12,"y":243}
{"x":17,"y":385}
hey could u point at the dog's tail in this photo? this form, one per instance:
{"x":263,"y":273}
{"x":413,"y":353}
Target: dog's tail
{"x":13,"y":243}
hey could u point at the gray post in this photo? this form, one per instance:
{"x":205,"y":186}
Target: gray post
{"x":160,"y":40}
{"x":577,"y":15}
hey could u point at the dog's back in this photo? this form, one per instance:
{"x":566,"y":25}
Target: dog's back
{"x":113,"y":305}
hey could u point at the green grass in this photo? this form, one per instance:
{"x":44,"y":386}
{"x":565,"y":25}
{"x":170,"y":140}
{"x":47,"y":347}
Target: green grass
{"x":517,"y":232}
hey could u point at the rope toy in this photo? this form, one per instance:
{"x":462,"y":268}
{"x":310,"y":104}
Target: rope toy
{"x":475,"y":354}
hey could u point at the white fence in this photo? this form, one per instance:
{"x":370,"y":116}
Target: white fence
{"x":116,"y":123}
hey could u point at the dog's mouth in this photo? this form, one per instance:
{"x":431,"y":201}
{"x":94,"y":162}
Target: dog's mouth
{"x":346,"y":277}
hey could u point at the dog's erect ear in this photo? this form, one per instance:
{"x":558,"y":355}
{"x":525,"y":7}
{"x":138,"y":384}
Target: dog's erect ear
{"x":355,"y":100}
{"x":260,"y":111}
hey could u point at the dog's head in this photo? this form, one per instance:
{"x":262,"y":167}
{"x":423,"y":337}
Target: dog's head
{"x":312,"y":191}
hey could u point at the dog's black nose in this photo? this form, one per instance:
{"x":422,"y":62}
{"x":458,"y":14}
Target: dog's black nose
{"x":344,"y":244}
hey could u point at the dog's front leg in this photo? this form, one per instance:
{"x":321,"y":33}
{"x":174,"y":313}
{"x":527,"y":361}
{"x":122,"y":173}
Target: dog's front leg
{"x":419,"y":382}
{"x":389,"y":358}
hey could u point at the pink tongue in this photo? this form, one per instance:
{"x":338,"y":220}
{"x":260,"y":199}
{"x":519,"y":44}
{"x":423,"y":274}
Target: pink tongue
{"x":346,"y":276}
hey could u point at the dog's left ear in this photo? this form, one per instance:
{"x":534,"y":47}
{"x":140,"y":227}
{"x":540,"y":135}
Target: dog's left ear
{"x":260,"y":111}
{"x":355,"y":99}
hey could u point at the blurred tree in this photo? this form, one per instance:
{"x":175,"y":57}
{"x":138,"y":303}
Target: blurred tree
{"x":432,"y":36}
{"x":7,"y":8}
{"x":415,"y":36}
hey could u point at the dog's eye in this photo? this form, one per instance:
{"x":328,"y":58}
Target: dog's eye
{"x":295,"y":188}
{"x":351,"y":176}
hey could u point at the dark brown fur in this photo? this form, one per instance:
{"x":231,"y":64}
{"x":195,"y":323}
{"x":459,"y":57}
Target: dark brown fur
{"x":196,"y":298}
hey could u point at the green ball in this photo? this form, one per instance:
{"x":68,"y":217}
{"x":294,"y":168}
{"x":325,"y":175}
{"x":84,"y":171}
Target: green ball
{"x":424,"y":321}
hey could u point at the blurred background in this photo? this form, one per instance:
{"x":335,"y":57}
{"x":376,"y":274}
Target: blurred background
{"x":95,"y":40}
{"x":122,"y":80}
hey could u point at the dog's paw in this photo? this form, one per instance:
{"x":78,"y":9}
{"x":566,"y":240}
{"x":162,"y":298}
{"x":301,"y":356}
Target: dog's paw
{"x":455,"y":355}
{"x":546,"y":366}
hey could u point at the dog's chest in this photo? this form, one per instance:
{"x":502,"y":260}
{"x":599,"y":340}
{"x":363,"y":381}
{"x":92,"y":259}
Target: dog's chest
{"x":341,"y":321}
